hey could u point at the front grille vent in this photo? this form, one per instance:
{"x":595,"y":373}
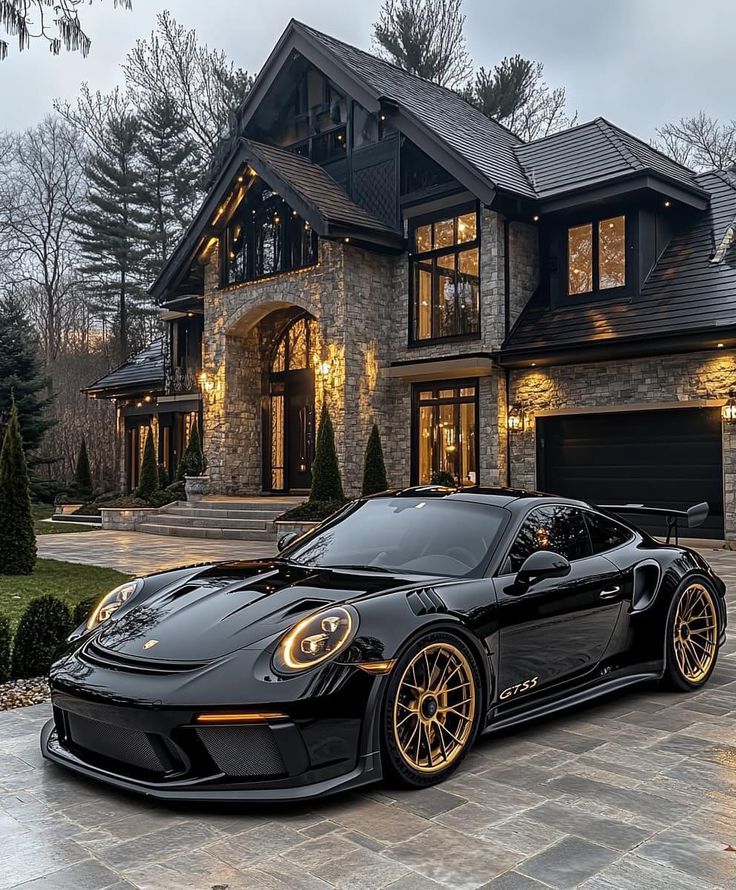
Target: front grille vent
{"x":99,"y":656}
{"x":243,"y":751}
{"x":425,"y":601}
{"x":113,"y":743}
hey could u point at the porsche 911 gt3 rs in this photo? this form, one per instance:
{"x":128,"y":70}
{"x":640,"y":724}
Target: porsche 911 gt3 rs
{"x":381,"y":643}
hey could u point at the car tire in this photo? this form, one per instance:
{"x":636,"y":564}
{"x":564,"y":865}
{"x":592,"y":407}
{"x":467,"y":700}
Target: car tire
{"x":432,"y":710}
{"x":691,"y":636}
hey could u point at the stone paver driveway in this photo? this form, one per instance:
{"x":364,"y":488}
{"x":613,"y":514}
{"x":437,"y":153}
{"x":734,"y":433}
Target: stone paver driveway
{"x":636,"y":792}
{"x":137,"y":553}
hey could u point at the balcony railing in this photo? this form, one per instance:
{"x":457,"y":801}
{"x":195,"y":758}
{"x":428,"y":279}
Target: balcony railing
{"x":181,"y":381}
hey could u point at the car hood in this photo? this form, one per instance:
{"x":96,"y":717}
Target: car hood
{"x":231,"y":606}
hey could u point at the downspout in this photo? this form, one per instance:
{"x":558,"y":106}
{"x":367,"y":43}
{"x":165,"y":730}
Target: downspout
{"x":506,"y":328}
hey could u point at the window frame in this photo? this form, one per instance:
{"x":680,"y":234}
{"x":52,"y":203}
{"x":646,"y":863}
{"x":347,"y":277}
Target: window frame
{"x":416,"y":403}
{"x":417,"y":222}
{"x":630,"y":259}
{"x":500,"y":571}
{"x":613,"y":521}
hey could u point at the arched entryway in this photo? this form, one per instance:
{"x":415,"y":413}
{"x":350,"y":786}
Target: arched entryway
{"x":289,"y":424}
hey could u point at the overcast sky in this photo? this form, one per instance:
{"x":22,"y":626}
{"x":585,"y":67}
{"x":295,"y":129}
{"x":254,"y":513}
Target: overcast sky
{"x":637,"y":62}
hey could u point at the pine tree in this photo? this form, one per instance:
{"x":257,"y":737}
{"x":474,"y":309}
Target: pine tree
{"x":374,"y":474}
{"x":148,"y":483}
{"x":18,"y":540}
{"x":114,"y":230}
{"x":20,"y":376}
{"x":83,"y":474}
{"x":170,"y":173}
{"x":193,"y":462}
{"x":326,"y":480}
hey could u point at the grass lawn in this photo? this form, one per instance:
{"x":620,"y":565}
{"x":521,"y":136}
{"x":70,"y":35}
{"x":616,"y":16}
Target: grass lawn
{"x":43,"y":511}
{"x":69,"y":581}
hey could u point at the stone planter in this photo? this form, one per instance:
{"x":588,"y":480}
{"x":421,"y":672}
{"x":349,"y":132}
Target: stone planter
{"x":196,"y":487}
{"x":126,"y":519}
{"x":66,"y":509}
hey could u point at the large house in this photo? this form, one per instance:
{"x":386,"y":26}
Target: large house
{"x":559,"y":314}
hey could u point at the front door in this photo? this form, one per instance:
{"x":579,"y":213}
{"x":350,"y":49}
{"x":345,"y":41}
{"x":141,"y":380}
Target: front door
{"x":558,"y":630}
{"x":290,"y":424}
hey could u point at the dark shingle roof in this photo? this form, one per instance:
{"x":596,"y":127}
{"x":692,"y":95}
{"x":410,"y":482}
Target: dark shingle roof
{"x":592,"y":153}
{"x":484,"y":143}
{"x":142,"y":372}
{"x":685,"y":294}
{"x":316,"y":187}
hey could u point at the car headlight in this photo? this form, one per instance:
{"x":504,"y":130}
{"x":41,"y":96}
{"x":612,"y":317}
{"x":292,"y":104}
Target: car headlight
{"x":110,"y":602}
{"x":315,"y":639}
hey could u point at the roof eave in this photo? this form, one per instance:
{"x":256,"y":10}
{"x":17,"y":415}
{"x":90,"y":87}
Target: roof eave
{"x":618,"y":186}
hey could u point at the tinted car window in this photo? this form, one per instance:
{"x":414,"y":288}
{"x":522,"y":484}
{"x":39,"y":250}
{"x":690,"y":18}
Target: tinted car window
{"x":431,"y":536}
{"x":557,"y":528}
{"x":605,"y":534}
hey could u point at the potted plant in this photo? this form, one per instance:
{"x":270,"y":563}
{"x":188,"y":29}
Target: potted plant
{"x":193,"y":468}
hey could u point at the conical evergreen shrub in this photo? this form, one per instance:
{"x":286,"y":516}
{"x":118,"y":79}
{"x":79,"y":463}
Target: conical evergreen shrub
{"x":4,"y":650}
{"x":83,"y":474}
{"x":18,"y":539}
{"x":41,"y":633}
{"x":148,"y":483}
{"x":374,"y":473}
{"x":326,"y":480}
{"x":193,"y":462}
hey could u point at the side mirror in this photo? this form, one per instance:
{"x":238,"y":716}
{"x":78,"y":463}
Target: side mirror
{"x":540,"y":565}
{"x":285,"y":540}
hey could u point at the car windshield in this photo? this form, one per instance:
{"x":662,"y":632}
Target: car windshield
{"x":434,"y":536}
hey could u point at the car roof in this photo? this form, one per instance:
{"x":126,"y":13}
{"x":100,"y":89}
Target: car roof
{"x":498,"y":497}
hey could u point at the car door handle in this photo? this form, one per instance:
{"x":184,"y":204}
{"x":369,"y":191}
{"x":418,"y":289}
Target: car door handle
{"x":610,"y":593}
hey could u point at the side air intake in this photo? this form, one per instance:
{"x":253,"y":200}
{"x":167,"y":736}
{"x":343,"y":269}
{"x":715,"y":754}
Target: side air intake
{"x":425,"y":601}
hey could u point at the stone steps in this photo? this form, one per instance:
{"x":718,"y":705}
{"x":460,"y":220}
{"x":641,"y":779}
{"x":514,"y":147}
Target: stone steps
{"x":239,"y":519}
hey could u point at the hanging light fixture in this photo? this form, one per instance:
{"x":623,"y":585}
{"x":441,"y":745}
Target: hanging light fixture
{"x":516,"y":419}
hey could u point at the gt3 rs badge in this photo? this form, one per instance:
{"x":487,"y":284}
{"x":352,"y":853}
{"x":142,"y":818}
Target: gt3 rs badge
{"x":150,"y":644}
{"x":510,"y":691}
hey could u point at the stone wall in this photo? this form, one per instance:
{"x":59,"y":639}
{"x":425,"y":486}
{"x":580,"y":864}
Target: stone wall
{"x":658,"y":379}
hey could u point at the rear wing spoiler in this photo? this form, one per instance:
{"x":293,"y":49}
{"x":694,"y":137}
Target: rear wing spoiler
{"x":694,"y":516}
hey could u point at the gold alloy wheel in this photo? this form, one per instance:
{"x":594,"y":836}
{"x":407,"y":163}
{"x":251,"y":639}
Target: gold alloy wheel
{"x":696,"y":633}
{"x":434,"y":708}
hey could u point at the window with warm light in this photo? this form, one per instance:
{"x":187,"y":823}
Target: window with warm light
{"x":446,"y":441}
{"x":265,"y":237}
{"x":596,"y":256}
{"x":445,"y":278}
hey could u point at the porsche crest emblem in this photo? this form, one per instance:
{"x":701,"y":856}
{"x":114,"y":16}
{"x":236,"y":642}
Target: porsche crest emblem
{"x":150,"y":644}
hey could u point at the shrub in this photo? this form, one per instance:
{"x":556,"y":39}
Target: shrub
{"x":82,"y":610}
{"x":4,"y":649}
{"x":442,"y":477}
{"x":163,"y":476}
{"x":41,"y":633}
{"x":83,"y":474}
{"x":167,"y":495}
{"x":149,"y":470}
{"x":193,"y":462}
{"x":326,"y":480}
{"x":18,"y":538}
{"x":374,"y":473}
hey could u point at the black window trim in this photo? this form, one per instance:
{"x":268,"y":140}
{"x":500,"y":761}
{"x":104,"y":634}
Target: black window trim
{"x":632,"y":533}
{"x":416,"y":222}
{"x":608,"y":293}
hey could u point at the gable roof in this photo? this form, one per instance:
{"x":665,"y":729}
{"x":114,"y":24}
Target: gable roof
{"x":591,"y":153}
{"x":142,"y":372}
{"x":685,"y":295}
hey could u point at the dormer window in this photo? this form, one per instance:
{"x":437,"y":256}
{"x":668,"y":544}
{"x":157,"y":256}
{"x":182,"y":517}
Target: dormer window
{"x":596,"y":256}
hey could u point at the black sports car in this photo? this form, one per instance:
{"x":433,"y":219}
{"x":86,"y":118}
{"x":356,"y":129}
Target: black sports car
{"x":380,"y":643}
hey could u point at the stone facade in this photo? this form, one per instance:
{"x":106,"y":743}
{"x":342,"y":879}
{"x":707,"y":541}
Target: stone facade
{"x":668,"y":380}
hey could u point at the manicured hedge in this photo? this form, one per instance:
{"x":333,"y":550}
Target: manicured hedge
{"x":41,"y":633}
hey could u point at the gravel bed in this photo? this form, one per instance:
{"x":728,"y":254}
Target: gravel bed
{"x":20,"y":693}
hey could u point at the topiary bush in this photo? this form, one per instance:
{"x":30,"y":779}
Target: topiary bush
{"x":83,"y":474}
{"x":41,"y":633}
{"x":4,"y":649}
{"x":18,"y":538}
{"x":149,"y":470}
{"x":82,"y":610}
{"x":326,"y":479}
{"x":193,"y":462}
{"x":374,"y":473}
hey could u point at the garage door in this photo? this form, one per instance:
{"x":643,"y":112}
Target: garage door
{"x":666,"y":458}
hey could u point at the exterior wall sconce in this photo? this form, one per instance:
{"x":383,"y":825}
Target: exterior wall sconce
{"x":206,"y":382}
{"x":728,"y":411}
{"x":516,"y":419}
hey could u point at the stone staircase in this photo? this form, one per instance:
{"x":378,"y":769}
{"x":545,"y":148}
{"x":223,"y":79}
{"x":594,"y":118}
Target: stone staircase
{"x":238,"y":519}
